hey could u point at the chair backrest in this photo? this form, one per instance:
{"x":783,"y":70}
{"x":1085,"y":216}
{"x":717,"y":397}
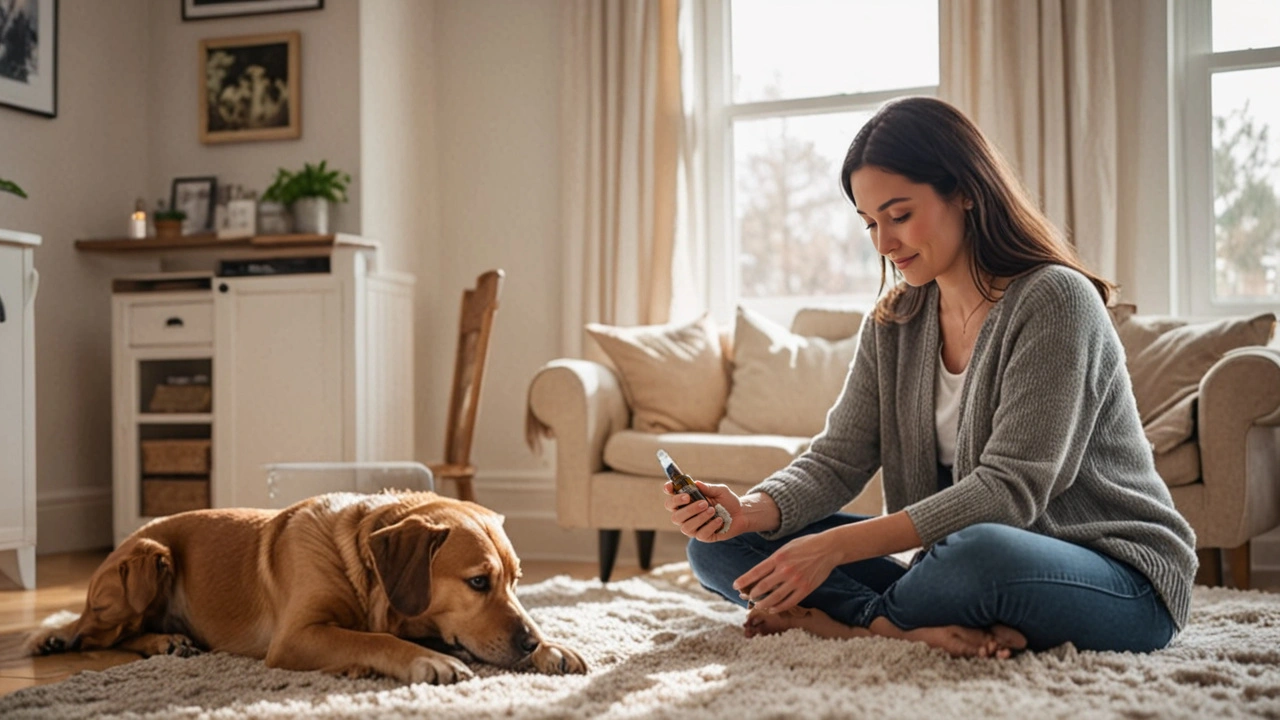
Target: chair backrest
{"x":479,"y":305}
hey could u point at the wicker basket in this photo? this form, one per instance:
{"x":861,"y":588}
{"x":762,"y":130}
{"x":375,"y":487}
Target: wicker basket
{"x":166,"y":496}
{"x":181,"y":399}
{"x":175,"y":457}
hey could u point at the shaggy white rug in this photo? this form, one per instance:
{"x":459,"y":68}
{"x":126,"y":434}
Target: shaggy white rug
{"x":660,"y":646}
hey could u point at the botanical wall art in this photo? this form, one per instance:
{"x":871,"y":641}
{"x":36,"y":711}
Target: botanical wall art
{"x":250,"y":88}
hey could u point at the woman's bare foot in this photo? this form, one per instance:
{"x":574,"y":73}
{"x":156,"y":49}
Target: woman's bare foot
{"x":810,"y":620}
{"x":1004,"y":642}
{"x":999,"y":642}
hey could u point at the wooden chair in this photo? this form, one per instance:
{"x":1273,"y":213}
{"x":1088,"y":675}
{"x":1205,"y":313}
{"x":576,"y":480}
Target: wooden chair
{"x":479,"y":305}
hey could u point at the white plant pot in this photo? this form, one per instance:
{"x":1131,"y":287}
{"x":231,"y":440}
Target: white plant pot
{"x":311,"y":215}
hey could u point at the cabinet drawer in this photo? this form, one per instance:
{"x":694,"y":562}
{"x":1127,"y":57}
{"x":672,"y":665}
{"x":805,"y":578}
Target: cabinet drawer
{"x":171,"y":324}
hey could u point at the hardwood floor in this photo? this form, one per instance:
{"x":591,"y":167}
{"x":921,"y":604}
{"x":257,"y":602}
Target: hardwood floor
{"x":61,"y":583}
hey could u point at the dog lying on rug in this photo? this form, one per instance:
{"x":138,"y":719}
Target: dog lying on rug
{"x":403,"y":584}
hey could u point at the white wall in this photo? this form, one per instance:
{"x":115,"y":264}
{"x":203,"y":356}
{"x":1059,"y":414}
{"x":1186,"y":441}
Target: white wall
{"x":330,"y":51}
{"x":82,"y":171}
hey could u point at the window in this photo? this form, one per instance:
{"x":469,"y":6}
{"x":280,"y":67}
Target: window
{"x":1230,"y":154}
{"x":780,"y":88}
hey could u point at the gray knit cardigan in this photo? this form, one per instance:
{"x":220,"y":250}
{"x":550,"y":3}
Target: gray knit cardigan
{"x":1049,"y":437}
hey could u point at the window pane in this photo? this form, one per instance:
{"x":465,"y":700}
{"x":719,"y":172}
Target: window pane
{"x":1244,"y":24}
{"x":814,"y":48}
{"x":1246,"y":183}
{"x":797,"y":234}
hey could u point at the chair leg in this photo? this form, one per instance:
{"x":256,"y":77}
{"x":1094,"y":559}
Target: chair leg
{"x":465,"y":491}
{"x":608,"y":552}
{"x":644,"y":543}
{"x":1210,"y":572}
{"x":1239,"y":559}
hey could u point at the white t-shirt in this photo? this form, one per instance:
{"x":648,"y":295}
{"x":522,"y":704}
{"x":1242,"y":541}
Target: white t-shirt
{"x":946,"y":395}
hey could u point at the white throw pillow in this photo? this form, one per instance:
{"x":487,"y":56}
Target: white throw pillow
{"x":673,"y":376}
{"x":783,"y":383}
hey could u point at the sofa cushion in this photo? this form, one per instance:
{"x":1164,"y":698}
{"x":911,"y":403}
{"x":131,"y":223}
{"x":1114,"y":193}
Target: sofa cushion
{"x":673,"y":376}
{"x":832,"y":323}
{"x":783,"y":383}
{"x":709,"y":457}
{"x":1166,"y":359}
{"x":1179,"y":466}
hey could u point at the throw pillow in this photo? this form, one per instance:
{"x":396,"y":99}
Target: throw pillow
{"x":1168,"y":357}
{"x":783,"y":383}
{"x":673,"y":376}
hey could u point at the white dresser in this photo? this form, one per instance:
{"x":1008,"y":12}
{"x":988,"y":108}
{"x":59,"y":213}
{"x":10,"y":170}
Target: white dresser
{"x":18,"y":283}
{"x":309,"y":367}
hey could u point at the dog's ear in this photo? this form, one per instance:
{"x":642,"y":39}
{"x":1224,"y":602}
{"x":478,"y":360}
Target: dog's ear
{"x":146,"y":574}
{"x":402,"y":556}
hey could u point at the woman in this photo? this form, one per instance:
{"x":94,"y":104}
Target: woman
{"x":991,"y":390}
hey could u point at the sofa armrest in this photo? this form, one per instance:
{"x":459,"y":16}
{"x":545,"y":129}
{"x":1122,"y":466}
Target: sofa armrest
{"x":1240,"y":395}
{"x":580,"y":404}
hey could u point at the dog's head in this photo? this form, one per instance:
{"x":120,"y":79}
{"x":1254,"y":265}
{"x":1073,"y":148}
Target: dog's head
{"x":449,"y":574}
{"x":123,"y":595}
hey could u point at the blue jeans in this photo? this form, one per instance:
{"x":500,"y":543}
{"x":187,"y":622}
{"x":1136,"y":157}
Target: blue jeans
{"x":1049,"y":590}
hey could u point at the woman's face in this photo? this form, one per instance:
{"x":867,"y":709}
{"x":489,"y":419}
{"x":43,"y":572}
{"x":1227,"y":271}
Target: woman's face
{"x":911,"y":224}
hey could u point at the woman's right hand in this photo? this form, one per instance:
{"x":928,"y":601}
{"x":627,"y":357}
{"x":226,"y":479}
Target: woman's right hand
{"x":698,"y":520}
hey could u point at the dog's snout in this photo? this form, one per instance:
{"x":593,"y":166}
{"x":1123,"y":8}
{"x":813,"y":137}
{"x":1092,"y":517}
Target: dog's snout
{"x":527,"y":641}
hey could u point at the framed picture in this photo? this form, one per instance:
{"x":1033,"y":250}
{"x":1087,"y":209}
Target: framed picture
{"x":250,"y":88}
{"x":195,"y":196}
{"x":206,"y":9}
{"x":29,"y":56}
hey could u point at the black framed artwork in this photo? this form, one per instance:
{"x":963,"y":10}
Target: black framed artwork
{"x":207,"y":9}
{"x":29,"y":56}
{"x":249,"y":88}
{"x":194,"y":196}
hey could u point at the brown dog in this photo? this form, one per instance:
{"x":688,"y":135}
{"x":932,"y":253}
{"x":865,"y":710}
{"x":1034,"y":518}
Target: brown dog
{"x":344,"y":583}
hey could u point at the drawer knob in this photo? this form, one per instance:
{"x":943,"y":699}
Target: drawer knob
{"x":173,"y":322}
{"x":222,"y":287}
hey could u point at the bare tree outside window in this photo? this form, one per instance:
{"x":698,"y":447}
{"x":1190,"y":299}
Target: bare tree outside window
{"x":1246,"y":207}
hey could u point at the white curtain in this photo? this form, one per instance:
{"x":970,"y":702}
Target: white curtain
{"x":1039,"y":78}
{"x":620,"y":120}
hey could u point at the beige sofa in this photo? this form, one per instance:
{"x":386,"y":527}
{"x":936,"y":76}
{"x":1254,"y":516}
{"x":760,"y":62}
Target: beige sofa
{"x":1224,"y":476}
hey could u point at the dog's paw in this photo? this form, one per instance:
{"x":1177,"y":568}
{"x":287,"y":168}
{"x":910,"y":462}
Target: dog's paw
{"x":553,"y":659}
{"x":182,"y":646}
{"x":47,"y":642}
{"x":437,"y":669}
{"x":163,"y":644}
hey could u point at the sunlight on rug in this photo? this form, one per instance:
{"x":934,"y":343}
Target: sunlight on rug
{"x":659,"y":646}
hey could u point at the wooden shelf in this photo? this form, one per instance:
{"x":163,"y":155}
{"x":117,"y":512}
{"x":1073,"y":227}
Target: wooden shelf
{"x":174,"y":418}
{"x":209,"y":240}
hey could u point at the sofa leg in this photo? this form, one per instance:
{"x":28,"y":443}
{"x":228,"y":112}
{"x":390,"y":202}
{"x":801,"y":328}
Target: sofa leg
{"x":608,"y":552}
{"x":1210,"y":572}
{"x":644,"y":543}
{"x":1239,"y":559}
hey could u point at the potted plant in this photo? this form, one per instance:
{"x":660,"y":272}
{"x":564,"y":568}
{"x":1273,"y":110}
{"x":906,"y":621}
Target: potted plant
{"x":10,"y":186}
{"x":307,"y":193}
{"x":168,"y":220}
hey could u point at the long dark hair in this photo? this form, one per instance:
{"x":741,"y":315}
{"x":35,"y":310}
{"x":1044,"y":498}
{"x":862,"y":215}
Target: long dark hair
{"x":929,"y":141}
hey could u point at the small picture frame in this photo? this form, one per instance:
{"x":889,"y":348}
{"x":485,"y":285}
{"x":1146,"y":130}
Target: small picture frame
{"x":29,"y":56}
{"x":250,"y":88}
{"x":194,"y":196}
{"x":209,"y":9}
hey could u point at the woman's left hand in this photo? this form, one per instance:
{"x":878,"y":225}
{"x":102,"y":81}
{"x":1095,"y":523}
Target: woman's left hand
{"x":787,"y":576}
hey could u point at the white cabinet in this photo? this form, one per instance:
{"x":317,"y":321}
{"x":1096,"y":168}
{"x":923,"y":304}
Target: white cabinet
{"x":18,"y":283}
{"x":303,"y":368}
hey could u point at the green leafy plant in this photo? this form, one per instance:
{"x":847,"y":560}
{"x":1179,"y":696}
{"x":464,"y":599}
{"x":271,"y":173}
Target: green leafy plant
{"x":163,"y":212}
{"x":10,"y":186}
{"x":312,"y":181}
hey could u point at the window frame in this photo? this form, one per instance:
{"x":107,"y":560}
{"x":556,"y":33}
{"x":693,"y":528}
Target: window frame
{"x":1193,"y":64}
{"x":717,"y":255}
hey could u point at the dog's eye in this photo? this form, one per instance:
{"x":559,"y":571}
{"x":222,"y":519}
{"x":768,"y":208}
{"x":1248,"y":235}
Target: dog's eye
{"x":479,"y":583}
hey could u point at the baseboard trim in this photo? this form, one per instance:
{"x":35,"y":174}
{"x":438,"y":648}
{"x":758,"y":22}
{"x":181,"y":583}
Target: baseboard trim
{"x":72,"y":520}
